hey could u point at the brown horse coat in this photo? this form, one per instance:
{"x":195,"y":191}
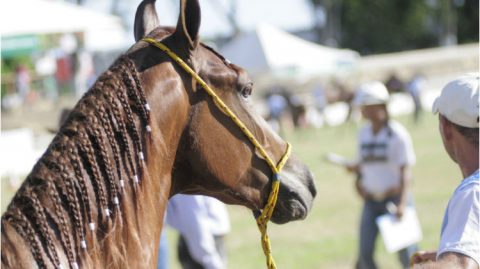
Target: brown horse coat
{"x":143,"y":133}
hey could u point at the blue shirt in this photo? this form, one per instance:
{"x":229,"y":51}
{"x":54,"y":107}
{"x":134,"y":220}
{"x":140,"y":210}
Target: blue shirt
{"x":461,"y":223}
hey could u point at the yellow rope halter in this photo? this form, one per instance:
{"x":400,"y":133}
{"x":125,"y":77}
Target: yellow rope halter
{"x":267,"y":211}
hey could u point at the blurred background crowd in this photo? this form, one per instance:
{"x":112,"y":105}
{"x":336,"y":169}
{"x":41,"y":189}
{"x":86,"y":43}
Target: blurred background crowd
{"x":306,"y":57}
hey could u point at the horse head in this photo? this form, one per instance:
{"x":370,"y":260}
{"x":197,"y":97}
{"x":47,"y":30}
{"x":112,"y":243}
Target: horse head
{"x":213,"y":156}
{"x":144,"y":132}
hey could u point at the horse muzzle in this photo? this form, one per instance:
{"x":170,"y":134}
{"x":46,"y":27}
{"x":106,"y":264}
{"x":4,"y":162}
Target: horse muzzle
{"x":297,"y":191}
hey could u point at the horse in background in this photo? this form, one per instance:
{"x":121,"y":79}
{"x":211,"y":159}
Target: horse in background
{"x":143,"y":133}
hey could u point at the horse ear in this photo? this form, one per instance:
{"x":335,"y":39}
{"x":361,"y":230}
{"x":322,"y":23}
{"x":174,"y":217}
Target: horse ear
{"x":188,"y":23}
{"x":146,"y":19}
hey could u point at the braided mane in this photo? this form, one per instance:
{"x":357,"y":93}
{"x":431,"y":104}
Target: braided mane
{"x":79,"y":188}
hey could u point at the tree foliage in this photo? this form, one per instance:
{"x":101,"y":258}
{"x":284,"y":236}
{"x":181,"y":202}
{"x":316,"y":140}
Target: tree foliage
{"x":376,"y":26}
{"x":385,"y":25}
{"x":468,"y":22}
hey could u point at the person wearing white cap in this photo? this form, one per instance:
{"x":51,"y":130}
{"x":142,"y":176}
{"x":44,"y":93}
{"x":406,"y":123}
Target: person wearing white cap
{"x":385,"y":155}
{"x":458,"y":109}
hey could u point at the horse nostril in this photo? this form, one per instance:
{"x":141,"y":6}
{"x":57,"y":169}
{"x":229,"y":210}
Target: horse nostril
{"x":310,"y":182}
{"x":292,"y":193}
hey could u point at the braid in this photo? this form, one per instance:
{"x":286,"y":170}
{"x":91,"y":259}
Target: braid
{"x":42,"y":225}
{"x":70,"y":194}
{"x":111,"y":139}
{"x":133,"y":93}
{"x":104,"y":157}
{"x":122,"y":131}
{"x":81,"y":182}
{"x":87,"y":149}
{"x":25,"y":230}
{"x":102,"y":127}
{"x":134,"y":73}
{"x":65,"y":238}
{"x":131,"y":123}
{"x":73,"y":202}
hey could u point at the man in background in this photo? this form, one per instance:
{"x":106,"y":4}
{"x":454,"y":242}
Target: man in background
{"x":384,"y":159}
{"x":458,"y":108}
{"x":202,"y":223}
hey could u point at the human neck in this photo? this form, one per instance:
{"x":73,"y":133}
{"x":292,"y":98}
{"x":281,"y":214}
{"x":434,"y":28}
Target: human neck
{"x":467,"y":158}
{"x":377,"y":125}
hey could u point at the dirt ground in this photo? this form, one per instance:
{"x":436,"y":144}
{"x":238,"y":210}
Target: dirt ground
{"x":39,"y":116}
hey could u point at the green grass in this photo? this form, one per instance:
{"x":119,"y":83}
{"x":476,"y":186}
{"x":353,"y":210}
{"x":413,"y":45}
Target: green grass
{"x":328,"y":237}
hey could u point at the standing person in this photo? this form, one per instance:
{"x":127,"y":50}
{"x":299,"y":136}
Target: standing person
{"x":84,"y":71}
{"x":385,"y":156}
{"x":277,"y":105}
{"x":22,"y":82}
{"x":394,"y":84}
{"x":458,"y":112}
{"x":320,"y":102}
{"x":202,"y":222}
{"x":414,"y":88}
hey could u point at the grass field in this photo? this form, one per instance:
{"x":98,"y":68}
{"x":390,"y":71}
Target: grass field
{"x":328,"y":237}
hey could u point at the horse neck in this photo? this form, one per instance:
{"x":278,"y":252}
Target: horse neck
{"x":103,"y":145}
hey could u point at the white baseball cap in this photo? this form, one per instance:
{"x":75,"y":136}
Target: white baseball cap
{"x":371,"y":93}
{"x":458,"y":101}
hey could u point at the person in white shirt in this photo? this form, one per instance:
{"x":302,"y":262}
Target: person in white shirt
{"x":458,"y":109}
{"x":385,"y":155}
{"x":202,"y":222}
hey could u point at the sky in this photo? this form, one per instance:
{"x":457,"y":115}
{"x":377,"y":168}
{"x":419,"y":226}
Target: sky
{"x":285,"y":14}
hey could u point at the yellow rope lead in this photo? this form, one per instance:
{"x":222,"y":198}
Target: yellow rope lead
{"x":267,"y":211}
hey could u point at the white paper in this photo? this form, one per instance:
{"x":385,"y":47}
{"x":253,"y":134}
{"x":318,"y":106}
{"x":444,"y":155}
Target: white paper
{"x":399,"y":234}
{"x":337,"y":159}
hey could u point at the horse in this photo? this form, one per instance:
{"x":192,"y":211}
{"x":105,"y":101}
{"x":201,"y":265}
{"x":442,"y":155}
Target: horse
{"x":144,"y":132}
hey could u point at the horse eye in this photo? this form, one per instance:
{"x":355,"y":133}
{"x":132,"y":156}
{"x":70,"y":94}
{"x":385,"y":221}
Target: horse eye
{"x":247,"y":90}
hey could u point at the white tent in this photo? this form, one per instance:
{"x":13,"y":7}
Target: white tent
{"x":23,"y":17}
{"x":268,"y":49}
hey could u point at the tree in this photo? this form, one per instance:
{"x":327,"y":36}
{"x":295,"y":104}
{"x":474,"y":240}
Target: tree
{"x":467,"y":30}
{"x":328,"y":21}
{"x":376,"y":26}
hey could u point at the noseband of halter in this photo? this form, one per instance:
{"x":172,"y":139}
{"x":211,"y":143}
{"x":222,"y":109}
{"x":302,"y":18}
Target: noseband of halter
{"x":264,"y":216}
